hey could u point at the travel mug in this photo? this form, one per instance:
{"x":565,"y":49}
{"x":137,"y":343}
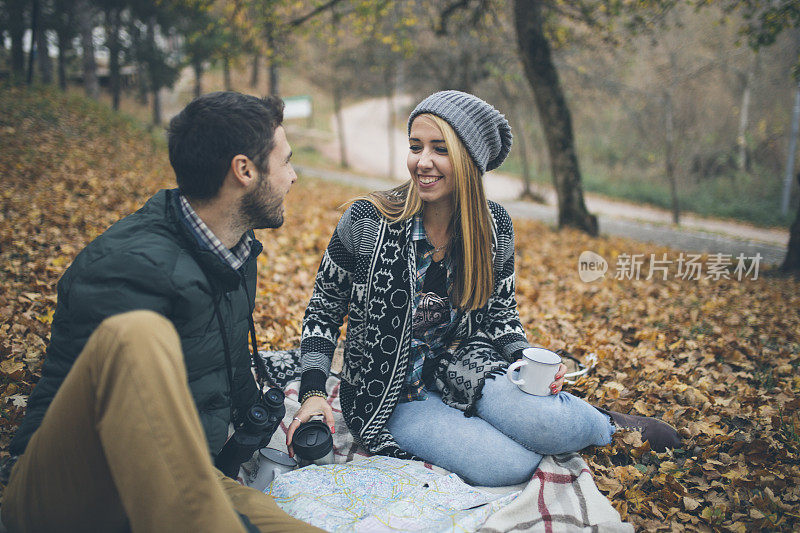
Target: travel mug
{"x":313,"y":444}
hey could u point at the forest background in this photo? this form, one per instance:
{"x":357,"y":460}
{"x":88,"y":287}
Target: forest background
{"x":686,"y":105}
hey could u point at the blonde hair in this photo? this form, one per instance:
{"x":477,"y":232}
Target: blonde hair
{"x":470,"y":224}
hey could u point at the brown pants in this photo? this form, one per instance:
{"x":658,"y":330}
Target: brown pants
{"x":121,"y":447}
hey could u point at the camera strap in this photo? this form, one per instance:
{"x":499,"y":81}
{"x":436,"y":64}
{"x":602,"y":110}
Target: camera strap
{"x":258,"y":362}
{"x":261,"y":369}
{"x":226,"y":348}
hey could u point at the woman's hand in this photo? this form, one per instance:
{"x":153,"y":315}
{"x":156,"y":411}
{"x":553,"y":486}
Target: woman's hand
{"x":314,"y":405}
{"x":555,"y":387}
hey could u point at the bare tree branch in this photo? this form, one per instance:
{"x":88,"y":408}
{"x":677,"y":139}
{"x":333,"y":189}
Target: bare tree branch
{"x":313,"y":13}
{"x":447,"y":12}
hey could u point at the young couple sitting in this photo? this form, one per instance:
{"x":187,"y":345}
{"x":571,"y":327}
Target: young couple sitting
{"x":150,"y":361}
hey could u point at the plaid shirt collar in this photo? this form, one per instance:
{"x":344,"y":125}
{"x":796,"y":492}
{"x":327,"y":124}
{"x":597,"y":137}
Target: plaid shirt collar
{"x":235,"y":257}
{"x":418,"y":229}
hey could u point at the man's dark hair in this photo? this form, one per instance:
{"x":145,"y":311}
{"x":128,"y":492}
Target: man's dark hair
{"x":212,"y":129}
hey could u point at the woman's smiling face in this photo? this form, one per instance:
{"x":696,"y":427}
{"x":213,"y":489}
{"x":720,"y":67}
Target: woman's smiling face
{"x":429,"y":163}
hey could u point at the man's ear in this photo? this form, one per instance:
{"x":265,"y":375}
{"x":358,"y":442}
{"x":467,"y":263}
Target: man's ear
{"x":243,"y":170}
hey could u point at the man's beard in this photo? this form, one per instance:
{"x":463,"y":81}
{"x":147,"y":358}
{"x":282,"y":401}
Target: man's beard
{"x":261,"y":208}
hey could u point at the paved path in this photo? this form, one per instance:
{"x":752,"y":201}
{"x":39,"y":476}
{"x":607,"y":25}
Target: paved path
{"x":683,"y":239}
{"x":366,"y":131}
{"x":367,"y":139}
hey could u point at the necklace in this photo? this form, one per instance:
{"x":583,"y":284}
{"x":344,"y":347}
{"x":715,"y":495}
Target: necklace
{"x":437,"y":249}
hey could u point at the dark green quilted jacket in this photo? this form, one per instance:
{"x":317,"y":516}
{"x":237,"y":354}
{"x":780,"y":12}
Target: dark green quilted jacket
{"x":150,"y":260}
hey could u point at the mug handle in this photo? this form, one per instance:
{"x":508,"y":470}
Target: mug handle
{"x":512,"y":367}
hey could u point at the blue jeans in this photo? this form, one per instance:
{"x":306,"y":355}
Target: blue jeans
{"x":505,"y":442}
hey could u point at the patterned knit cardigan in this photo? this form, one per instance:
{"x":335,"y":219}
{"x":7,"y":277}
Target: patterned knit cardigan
{"x":368,"y":273}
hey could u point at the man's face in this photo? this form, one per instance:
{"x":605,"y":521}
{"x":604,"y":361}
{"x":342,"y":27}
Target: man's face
{"x":262,"y":206}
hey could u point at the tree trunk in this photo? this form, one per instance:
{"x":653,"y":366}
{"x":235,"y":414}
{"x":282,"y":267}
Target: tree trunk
{"x":226,"y":73}
{"x":337,"y":111}
{"x":17,"y":53}
{"x":197,"y":65}
{"x":521,"y":137}
{"x":255,"y":73}
{"x":62,"y":17}
{"x":114,"y":44}
{"x":273,"y":64}
{"x":274,"y":78}
{"x":155,"y":84}
{"x":465,"y":77}
{"x":526,"y":167}
{"x":156,"y":107}
{"x":789,"y":172}
{"x":16,"y":30}
{"x":43,"y":54}
{"x":791,"y":263}
{"x":389,"y":85}
{"x":141,"y":83}
{"x":669,"y":156}
{"x":142,"y":68}
{"x":337,"y":90}
{"x":64,"y":46}
{"x":34,"y":38}
{"x":85,"y":24}
{"x":741,"y":137}
{"x":554,"y":112}
{"x":520,"y":134}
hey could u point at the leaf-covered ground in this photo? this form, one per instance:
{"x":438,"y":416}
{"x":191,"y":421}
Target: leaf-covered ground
{"x":717,"y":359}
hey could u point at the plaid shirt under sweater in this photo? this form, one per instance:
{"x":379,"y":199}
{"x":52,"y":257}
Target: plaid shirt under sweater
{"x":429,"y":345}
{"x":364,"y":275}
{"x":235,"y":257}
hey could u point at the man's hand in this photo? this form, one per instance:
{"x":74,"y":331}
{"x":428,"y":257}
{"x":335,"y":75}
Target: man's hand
{"x":555,"y":387}
{"x":314,"y":405}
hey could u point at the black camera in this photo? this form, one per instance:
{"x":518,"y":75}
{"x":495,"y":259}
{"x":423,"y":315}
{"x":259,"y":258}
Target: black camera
{"x":252,"y":433}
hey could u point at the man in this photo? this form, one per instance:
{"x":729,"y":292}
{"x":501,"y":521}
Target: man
{"x":148,"y":361}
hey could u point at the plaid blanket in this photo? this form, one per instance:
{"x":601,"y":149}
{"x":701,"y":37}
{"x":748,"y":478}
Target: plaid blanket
{"x":561,"y":496}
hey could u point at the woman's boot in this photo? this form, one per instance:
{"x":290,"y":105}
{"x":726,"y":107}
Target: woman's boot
{"x":659,"y":434}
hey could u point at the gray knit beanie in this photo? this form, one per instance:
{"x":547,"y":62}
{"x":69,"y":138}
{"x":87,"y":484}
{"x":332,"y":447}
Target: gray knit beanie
{"x":483,"y":130}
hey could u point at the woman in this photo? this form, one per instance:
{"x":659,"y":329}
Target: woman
{"x":425,"y":274}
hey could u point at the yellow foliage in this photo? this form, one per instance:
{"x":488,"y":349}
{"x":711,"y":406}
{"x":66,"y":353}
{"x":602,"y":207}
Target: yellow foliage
{"x":730,"y":388}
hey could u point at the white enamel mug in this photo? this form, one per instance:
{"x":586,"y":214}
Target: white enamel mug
{"x":537,"y":370}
